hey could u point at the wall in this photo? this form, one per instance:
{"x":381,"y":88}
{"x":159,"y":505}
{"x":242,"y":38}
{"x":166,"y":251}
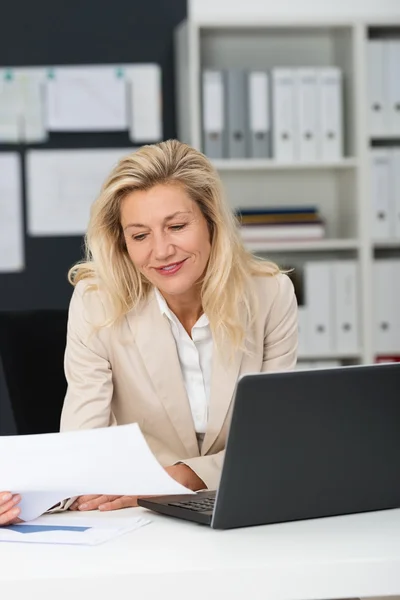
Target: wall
{"x":75,"y":32}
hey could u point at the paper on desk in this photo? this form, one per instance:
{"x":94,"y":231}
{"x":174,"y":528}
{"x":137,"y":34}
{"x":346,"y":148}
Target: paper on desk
{"x":48,"y":468}
{"x":83,"y":530}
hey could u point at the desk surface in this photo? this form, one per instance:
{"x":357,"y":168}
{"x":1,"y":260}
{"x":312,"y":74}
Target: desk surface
{"x":347,"y":556}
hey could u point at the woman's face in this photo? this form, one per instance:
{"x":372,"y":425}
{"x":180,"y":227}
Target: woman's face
{"x":167,"y":237}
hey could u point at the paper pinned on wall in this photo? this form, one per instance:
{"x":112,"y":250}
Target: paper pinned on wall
{"x":62,"y":185}
{"x":10,"y":107}
{"x":86,"y":99}
{"x":48,"y":468}
{"x":22,"y":106}
{"x":145,"y":103}
{"x":11,"y":221}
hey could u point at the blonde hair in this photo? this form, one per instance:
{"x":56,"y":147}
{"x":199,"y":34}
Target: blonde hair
{"x":227,"y":291}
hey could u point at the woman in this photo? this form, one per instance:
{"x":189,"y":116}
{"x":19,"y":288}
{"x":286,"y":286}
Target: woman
{"x":168,"y":311}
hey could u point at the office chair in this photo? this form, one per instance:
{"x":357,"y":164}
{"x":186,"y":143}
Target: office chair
{"x":32,"y":345}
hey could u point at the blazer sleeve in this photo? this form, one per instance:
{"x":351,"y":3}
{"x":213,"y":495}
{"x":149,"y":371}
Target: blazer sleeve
{"x":87,"y":403}
{"x":208,"y":468}
{"x":281,"y":329}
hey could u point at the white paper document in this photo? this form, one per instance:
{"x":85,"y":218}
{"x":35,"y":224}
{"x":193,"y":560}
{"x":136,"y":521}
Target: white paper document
{"x":11,"y":224}
{"x":62,"y":185}
{"x":48,"y":468}
{"x":86,"y":99}
{"x":22,"y":104}
{"x":81,"y":530}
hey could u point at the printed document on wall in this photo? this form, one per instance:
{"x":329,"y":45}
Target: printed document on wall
{"x":86,"y":99}
{"x":11,"y":223}
{"x":62,"y":185}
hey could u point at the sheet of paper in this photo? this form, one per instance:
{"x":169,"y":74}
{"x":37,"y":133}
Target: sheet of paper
{"x":10,"y":107}
{"x":32,"y":84}
{"x":86,"y":98}
{"x":47,"y":468}
{"x":83,"y":530}
{"x":62,"y":185}
{"x":22,"y":104}
{"x":11,"y":223}
{"x":145,"y":103}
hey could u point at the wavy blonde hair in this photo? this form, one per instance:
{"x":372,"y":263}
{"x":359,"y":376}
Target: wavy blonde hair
{"x":227,"y":291}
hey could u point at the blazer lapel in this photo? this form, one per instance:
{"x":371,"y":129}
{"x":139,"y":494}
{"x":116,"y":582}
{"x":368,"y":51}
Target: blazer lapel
{"x":156,"y":344}
{"x":224,"y":375}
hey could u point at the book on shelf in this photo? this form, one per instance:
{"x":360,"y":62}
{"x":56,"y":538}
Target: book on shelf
{"x":284,"y":224}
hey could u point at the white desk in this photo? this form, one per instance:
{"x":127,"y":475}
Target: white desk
{"x":351,"y":556}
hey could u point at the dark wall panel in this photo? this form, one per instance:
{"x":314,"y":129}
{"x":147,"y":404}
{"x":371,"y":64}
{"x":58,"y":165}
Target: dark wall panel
{"x":55,"y":33}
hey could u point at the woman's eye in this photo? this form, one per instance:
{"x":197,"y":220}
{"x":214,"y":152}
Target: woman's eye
{"x":177,"y":227}
{"x":139,"y":237}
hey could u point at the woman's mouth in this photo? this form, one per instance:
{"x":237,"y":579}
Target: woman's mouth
{"x":170,"y":269}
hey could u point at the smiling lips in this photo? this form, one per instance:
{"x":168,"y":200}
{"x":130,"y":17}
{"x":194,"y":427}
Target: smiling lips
{"x":170,"y":269}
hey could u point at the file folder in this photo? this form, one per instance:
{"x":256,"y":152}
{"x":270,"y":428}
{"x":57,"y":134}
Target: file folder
{"x":213,"y":114}
{"x":236,"y":110}
{"x":283,"y":114}
{"x":346,"y":298}
{"x":330,"y":114}
{"x":386,"y":302}
{"x":306,"y":84}
{"x":381,"y":218}
{"x":393,"y":86}
{"x":259,"y":131}
{"x":319,"y":300}
{"x":395,"y":191}
{"x":377,"y":107}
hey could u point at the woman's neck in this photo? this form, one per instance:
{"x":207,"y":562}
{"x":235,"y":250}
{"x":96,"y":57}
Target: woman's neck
{"x":187,"y":308}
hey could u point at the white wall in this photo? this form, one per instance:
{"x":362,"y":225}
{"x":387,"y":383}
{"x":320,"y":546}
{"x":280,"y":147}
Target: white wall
{"x":208,"y":10}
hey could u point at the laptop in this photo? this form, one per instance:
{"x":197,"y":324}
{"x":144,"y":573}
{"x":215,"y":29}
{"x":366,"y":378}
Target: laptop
{"x":302,"y":445}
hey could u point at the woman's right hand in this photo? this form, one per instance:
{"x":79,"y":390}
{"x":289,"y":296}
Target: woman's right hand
{"x":9,"y":510}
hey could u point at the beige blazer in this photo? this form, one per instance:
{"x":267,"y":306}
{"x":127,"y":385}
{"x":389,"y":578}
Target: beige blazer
{"x":130,"y":372}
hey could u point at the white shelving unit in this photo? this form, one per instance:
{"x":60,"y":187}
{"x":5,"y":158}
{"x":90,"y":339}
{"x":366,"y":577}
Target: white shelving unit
{"x":340,"y":189}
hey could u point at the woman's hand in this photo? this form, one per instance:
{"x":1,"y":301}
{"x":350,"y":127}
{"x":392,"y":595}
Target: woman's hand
{"x":103,"y":502}
{"x":180,"y":472}
{"x":8,"y":510}
{"x":186,"y":477}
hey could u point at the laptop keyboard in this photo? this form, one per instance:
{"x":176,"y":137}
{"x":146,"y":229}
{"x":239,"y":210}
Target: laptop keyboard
{"x":203,"y":505}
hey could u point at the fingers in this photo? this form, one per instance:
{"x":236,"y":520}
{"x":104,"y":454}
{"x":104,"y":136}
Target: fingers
{"x":119,"y":502}
{"x":93,"y":502}
{"x":8,"y":509}
{"x":83,"y":500}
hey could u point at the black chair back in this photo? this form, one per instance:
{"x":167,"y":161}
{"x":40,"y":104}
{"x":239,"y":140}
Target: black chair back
{"x":32,"y":346}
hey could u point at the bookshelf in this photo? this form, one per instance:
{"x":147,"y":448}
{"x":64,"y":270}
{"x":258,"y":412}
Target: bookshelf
{"x":341,"y":188}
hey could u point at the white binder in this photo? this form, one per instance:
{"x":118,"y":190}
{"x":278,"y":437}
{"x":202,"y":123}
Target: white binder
{"x":302,"y":331}
{"x":392,"y":51}
{"x":386,"y":306}
{"x":259,"y":131}
{"x":395,"y":191}
{"x":377,"y":104}
{"x":318,"y":297}
{"x":213,"y":114}
{"x":346,"y":305}
{"x":381,"y":191}
{"x":330,"y":100}
{"x":306,"y":101}
{"x":236,"y":112}
{"x":283,"y":111}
